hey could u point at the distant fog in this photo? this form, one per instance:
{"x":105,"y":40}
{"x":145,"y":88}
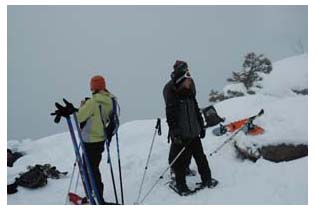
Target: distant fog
{"x":54,"y":50}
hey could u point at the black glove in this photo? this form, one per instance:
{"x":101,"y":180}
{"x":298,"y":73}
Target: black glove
{"x":202,"y":133}
{"x":63,"y":111}
{"x":58,"y":115}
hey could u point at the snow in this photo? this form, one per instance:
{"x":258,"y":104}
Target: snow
{"x":241,"y":182}
{"x":287,"y":75}
{"x":237,"y":87}
{"x":284,"y":120}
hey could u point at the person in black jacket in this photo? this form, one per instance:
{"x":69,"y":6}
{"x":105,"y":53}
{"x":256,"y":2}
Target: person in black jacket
{"x":186,"y":127}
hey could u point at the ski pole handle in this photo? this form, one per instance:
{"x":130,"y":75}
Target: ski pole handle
{"x":158,"y":123}
{"x":158,"y":126}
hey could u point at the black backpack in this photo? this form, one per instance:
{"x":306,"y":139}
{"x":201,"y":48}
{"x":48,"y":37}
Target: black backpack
{"x":114,"y":123}
{"x":211,"y":117}
{"x":33,"y":178}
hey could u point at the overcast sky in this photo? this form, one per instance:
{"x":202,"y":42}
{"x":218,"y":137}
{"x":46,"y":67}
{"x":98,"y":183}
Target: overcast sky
{"x":54,"y":50}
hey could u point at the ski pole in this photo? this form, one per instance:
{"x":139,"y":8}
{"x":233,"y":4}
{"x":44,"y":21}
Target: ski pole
{"x":115,"y":110}
{"x":71,"y":179}
{"x":80,"y":163}
{"x":157,"y":129}
{"x":77,"y":181}
{"x":119,"y":166}
{"x":250,"y":120}
{"x":70,"y":183}
{"x":163,"y":173}
{"x":87,"y":164}
{"x":109,"y":156}
{"x":66,"y":112}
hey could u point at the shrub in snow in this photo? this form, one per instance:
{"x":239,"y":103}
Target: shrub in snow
{"x":233,"y":93}
{"x":216,"y":96}
{"x":301,"y":91}
{"x":253,"y":68}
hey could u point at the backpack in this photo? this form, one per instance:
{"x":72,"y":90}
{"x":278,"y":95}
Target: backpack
{"x":37,"y":175}
{"x":114,"y":123}
{"x":12,"y":157}
{"x":33,"y":178}
{"x":211,"y":117}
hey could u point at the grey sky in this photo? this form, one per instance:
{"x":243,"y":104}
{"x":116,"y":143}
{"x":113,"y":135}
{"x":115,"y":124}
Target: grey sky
{"x":54,"y":50}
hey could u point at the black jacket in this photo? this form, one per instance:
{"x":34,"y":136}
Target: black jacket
{"x":183,"y":114}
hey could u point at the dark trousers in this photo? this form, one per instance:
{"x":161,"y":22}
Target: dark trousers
{"x":193,"y":148}
{"x":94,"y":153}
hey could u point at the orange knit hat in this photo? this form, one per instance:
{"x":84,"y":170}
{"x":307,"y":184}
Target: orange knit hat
{"x":97,"y":83}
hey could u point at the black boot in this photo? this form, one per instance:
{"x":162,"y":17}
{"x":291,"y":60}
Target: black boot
{"x":209,"y":183}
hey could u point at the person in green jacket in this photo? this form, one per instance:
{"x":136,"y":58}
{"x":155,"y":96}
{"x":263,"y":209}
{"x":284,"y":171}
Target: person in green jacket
{"x":91,"y":124}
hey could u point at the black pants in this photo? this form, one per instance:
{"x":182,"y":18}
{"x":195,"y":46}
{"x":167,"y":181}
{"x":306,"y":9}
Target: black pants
{"x":94,"y":153}
{"x":193,"y":148}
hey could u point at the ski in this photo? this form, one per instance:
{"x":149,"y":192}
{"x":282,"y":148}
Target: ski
{"x":251,"y":129}
{"x":249,"y":121}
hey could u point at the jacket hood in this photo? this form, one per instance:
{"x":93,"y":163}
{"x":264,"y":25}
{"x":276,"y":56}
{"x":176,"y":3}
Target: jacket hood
{"x":99,"y":97}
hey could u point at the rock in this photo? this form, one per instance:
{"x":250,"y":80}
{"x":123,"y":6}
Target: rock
{"x":284,"y":152}
{"x":275,"y":153}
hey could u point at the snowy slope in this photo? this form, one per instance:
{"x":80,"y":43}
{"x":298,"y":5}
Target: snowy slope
{"x":286,"y":113}
{"x":287,"y":75}
{"x":241,"y":182}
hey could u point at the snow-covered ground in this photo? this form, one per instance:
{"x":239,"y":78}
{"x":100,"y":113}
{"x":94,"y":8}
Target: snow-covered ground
{"x":241,"y":182}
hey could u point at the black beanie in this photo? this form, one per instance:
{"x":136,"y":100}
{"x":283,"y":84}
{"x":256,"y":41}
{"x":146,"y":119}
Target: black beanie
{"x":180,"y":66}
{"x":179,"y":69}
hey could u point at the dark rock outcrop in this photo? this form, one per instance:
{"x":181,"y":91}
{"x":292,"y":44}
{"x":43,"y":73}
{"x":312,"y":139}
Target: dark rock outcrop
{"x":275,"y":153}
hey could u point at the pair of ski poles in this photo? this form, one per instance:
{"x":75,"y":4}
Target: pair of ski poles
{"x":83,"y":162}
{"x":107,"y":143}
{"x":250,"y":120}
{"x":92,"y":191}
{"x":85,"y":169}
{"x":157,"y":129}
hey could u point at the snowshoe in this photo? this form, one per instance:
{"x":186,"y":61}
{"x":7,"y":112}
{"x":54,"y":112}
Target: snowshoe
{"x":219,"y":131}
{"x":76,"y":199}
{"x":255,"y":130}
{"x":181,"y":190}
{"x":211,"y":183}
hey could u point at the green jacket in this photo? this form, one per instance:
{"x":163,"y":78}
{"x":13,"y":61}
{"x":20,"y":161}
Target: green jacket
{"x":93,"y":130}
